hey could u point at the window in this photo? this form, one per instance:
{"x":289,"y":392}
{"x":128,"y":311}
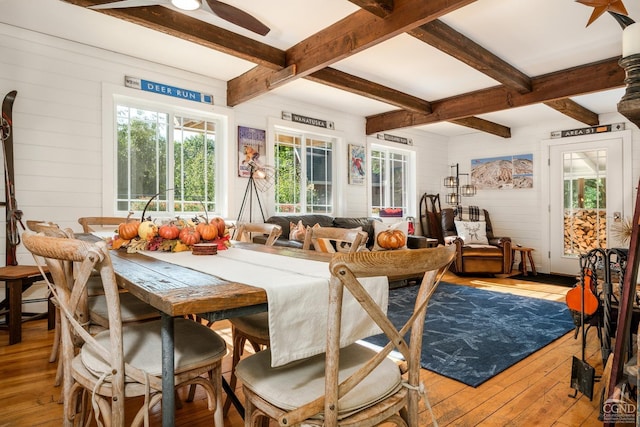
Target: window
{"x":168,"y":154}
{"x":303,"y":173}
{"x":390,"y":179}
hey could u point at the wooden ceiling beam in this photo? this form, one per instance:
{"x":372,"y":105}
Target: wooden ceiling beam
{"x":179,"y":25}
{"x":380,"y":8}
{"x":484,"y":126}
{"x":449,"y":41}
{"x":589,"y":78}
{"x":442,"y":37}
{"x":344,"y":81}
{"x":362,"y":30}
{"x":350,"y":35}
{"x":574,"y":110}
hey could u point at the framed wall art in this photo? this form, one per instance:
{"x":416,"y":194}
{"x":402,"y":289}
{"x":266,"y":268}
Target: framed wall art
{"x":357,"y":164}
{"x":251,"y":148}
{"x":505,"y":172}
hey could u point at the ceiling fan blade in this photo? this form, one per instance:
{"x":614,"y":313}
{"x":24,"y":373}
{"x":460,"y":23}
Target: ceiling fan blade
{"x":237,"y":16}
{"x":128,"y":3}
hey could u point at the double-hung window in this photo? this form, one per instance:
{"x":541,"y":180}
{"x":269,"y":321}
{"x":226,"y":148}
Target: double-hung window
{"x":391,"y":185}
{"x":168,"y":154}
{"x":304,"y":171}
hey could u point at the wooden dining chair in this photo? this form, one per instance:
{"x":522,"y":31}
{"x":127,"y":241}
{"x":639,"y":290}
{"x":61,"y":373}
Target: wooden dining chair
{"x":254,"y":328}
{"x":246,"y":231}
{"x":93,"y":307}
{"x":334,"y":239}
{"x":124,"y":360}
{"x":352,"y":385}
{"x":100,"y":223}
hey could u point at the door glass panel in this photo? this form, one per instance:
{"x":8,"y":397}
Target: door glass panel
{"x":585,"y":201}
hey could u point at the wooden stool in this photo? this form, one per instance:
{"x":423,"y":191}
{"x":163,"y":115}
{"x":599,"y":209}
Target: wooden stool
{"x":19,"y":278}
{"x":524,"y":254}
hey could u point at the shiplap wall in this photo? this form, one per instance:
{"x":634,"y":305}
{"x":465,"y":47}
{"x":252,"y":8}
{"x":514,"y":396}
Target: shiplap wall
{"x":519,"y":213}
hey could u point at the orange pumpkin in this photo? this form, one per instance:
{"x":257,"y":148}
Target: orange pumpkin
{"x":169,"y":231}
{"x":219,"y":222}
{"x":391,"y":239}
{"x":189,"y":236}
{"x":128,"y":230}
{"x":207,"y":231}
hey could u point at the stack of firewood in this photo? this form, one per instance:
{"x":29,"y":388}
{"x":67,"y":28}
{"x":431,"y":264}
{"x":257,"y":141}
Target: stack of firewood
{"x":584,"y":230}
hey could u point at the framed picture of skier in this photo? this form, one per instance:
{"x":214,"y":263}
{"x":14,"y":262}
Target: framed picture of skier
{"x":251,"y":148}
{"x":357,"y":164}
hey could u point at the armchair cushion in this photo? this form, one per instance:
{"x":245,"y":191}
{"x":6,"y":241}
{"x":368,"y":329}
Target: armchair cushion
{"x":472,"y":232}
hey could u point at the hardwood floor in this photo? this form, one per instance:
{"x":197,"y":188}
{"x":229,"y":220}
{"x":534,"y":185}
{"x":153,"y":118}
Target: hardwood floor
{"x":533,"y":392}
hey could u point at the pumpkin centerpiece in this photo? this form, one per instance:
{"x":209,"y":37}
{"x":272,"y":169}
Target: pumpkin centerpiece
{"x":147,"y":230}
{"x":189,"y":236}
{"x":391,"y":239}
{"x":169,"y":231}
{"x":128,"y":229}
{"x":207,"y":231}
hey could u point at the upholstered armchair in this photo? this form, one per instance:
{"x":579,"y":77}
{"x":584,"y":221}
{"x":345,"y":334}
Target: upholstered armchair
{"x":477,"y":249}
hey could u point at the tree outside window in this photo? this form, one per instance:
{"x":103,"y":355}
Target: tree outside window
{"x":301,"y":192}
{"x":183,"y":182}
{"x":389,"y":179}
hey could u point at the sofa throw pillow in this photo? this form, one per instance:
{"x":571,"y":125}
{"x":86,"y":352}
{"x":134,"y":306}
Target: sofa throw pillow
{"x":472,"y":232}
{"x":345,"y":247}
{"x":298,"y":231}
{"x":390,"y":236}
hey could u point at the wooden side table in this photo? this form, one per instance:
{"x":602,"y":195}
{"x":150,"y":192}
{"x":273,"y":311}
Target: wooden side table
{"x":524,"y":254}
{"x":19,"y":278}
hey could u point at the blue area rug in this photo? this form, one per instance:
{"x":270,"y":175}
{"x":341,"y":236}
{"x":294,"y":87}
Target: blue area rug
{"x":472,"y":335}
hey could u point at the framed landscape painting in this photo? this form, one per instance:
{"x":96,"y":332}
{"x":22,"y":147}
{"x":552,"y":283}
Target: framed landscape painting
{"x":505,"y":172}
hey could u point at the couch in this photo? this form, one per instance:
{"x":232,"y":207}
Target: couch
{"x":284,"y":221}
{"x":494,"y":257}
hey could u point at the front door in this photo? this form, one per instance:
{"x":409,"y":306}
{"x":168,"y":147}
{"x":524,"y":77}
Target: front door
{"x":585,"y":198}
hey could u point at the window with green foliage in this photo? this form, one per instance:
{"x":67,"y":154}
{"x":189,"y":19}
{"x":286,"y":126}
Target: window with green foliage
{"x":389,"y":179}
{"x":303,"y":173}
{"x":166,"y":154}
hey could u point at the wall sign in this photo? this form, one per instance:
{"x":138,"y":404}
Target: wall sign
{"x":307,"y":120}
{"x":164,"y":89}
{"x":394,"y":138}
{"x":588,"y":131}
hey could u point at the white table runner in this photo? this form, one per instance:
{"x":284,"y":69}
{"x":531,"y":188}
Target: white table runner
{"x":297,"y":292}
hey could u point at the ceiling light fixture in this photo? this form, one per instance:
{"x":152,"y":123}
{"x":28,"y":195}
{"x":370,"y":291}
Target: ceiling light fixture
{"x":186,"y":4}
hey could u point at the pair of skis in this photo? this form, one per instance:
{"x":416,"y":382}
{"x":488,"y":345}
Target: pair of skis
{"x":13,"y":214}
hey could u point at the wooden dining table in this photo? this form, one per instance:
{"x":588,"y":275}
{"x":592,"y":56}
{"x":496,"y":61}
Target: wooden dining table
{"x":178,"y":291}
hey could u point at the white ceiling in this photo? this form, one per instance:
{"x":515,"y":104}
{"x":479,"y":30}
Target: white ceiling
{"x":535,"y":36}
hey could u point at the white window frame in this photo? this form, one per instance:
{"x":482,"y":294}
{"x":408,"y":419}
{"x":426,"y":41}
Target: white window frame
{"x":410,"y":191}
{"x":113,"y":95}
{"x":339,"y":160}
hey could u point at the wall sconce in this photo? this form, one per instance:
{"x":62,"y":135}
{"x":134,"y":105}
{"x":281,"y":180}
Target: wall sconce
{"x":453,"y":181}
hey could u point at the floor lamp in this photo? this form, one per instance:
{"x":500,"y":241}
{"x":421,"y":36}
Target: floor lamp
{"x":249,"y":193}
